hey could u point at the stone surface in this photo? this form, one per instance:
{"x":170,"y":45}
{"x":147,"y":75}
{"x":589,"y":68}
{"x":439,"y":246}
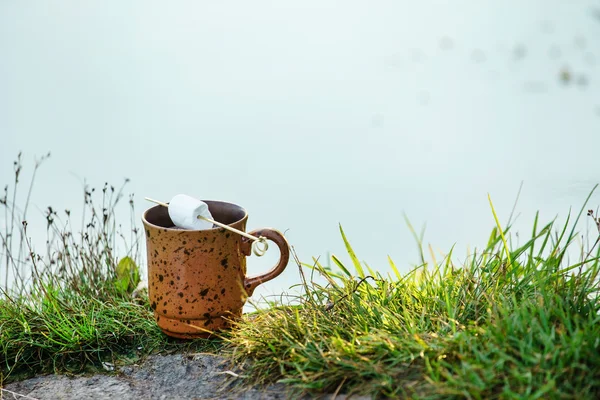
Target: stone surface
{"x":160,"y":377}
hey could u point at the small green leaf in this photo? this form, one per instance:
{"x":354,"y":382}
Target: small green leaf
{"x":128,"y":275}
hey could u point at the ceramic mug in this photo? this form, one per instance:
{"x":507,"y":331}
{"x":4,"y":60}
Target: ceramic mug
{"x":197,"y":279}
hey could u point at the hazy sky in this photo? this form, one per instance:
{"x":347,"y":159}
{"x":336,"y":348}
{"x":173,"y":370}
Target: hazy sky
{"x":311,"y":113}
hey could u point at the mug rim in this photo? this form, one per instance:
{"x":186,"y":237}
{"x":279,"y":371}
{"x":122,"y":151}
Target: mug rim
{"x":145,"y":220}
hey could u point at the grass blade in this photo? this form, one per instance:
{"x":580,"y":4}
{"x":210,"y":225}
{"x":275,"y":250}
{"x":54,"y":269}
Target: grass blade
{"x":355,"y":261}
{"x":506,"y":249}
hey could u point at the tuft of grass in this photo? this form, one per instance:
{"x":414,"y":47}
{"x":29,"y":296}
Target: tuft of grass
{"x":73,"y":306}
{"x":66,"y":332}
{"x":512,"y":322}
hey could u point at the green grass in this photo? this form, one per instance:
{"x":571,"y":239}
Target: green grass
{"x":512,"y":321}
{"x":72,"y":307}
{"x":67,"y":332}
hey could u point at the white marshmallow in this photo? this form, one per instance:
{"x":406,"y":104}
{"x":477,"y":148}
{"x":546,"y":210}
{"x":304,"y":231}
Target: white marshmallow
{"x":184,"y":211}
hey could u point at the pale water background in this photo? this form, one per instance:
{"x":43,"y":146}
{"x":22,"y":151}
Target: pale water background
{"x":310,"y":113}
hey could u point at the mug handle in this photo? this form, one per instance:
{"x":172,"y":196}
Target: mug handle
{"x":250,"y":283}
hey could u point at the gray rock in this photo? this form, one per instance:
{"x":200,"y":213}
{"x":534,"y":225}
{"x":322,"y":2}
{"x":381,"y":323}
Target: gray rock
{"x":164,"y":377}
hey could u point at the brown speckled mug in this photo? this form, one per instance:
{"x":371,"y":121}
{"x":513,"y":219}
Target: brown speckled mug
{"x":197,"y":280}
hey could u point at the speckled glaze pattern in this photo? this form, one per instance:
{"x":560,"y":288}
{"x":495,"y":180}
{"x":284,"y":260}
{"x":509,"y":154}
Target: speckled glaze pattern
{"x":197,"y":280}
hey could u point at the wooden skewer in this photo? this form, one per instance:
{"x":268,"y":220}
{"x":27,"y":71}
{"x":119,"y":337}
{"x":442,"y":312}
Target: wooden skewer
{"x":160,"y":203}
{"x":247,"y":235}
